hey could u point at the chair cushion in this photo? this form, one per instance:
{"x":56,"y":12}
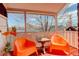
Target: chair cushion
{"x":13,"y":33}
{"x":6,"y":33}
{"x":29,"y":43}
{"x":58,"y":52}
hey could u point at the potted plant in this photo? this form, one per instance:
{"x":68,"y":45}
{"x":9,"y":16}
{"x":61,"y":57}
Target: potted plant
{"x":14,"y":29}
{"x":7,"y":49}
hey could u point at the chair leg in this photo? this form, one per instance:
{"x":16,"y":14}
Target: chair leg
{"x":36,"y":52}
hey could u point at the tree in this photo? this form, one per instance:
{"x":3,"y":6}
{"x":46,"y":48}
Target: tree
{"x":45,"y":23}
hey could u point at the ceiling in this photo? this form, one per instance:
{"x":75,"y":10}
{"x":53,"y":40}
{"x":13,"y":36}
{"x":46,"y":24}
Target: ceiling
{"x":46,"y":7}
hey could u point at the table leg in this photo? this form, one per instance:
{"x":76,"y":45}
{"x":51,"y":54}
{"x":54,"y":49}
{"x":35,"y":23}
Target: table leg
{"x":43,"y":48}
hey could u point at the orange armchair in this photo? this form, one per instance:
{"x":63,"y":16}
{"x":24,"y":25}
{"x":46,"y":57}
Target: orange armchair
{"x":8,"y":33}
{"x":24,"y":47}
{"x":59,"y":45}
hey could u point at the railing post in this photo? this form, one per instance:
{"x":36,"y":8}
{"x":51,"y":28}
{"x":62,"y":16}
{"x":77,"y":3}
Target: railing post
{"x":25,"y":20}
{"x":56,"y":24}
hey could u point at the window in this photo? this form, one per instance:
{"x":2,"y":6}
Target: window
{"x":68,"y":18}
{"x":39,"y":23}
{"x":16,"y":20}
{"x":34,"y":22}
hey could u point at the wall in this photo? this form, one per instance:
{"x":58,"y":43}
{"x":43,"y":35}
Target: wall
{"x":3,"y":18}
{"x":3,"y":23}
{"x":71,"y":37}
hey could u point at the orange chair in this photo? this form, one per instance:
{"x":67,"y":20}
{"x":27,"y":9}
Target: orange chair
{"x":13,"y":33}
{"x":8,"y":33}
{"x":24,"y":47}
{"x":59,"y":45}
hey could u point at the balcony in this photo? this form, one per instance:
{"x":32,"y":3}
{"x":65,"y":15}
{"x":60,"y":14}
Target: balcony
{"x":35,"y":21}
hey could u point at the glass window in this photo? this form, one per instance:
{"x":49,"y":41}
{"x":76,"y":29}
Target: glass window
{"x":68,"y":18}
{"x":39,"y":23}
{"x":16,"y":20}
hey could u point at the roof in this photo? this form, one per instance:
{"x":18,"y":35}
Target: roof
{"x":39,"y":7}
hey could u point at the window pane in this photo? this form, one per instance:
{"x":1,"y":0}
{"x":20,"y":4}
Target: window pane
{"x":68,"y":18}
{"x":39,"y":23}
{"x":16,"y":20}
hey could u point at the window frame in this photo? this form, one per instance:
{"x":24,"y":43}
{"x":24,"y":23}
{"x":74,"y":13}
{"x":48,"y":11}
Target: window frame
{"x":25,"y":17}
